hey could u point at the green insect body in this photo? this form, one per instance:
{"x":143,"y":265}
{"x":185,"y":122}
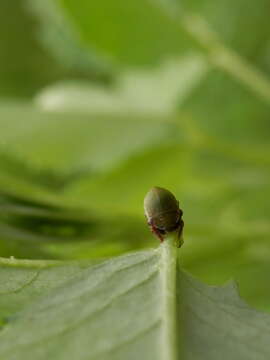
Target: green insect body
{"x":163,"y":213}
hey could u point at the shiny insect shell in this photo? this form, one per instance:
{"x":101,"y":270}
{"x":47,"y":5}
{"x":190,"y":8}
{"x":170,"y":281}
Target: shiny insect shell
{"x":163,"y":213}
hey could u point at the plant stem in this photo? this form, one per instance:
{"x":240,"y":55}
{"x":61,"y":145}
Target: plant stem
{"x":168,"y":269}
{"x":219,"y":54}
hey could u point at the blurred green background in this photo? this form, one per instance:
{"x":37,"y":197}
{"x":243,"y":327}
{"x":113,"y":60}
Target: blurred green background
{"x":101,"y":100}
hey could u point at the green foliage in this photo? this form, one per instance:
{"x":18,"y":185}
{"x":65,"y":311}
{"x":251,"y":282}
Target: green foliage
{"x":72,"y":310}
{"x":137,"y":94}
{"x":133,"y":33}
{"x":24,"y":66}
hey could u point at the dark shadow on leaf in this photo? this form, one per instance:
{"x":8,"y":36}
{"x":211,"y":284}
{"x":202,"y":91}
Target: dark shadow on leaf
{"x":55,"y":181}
{"x":44,"y":219}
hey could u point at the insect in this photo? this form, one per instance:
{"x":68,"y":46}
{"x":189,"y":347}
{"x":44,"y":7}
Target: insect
{"x":163,"y":213}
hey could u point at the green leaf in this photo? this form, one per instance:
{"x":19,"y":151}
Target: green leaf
{"x":24,"y":65}
{"x":157,"y":91}
{"x":206,"y":162}
{"x":134,"y":33}
{"x":25,"y":280}
{"x":205,"y":137}
{"x":233,"y":26}
{"x":42,"y":154}
{"x":146,"y":31}
{"x":69,"y":142}
{"x":58,"y":36}
{"x":157,"y":311}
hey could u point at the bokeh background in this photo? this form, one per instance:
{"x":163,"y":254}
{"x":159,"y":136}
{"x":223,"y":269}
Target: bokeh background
{"x":101,"y":100}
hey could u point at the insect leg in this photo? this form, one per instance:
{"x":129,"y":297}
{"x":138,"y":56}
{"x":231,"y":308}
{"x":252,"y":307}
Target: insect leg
{"x":180,"y":240}
{"x":156,"y":232}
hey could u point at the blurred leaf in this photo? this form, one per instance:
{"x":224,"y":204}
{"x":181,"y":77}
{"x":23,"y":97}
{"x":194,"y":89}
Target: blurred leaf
{"x":207,"y":163}
{"x":207,"y":321}
{"x":74,"y":142}
{"x":24,"y":65}
{"x":216,"y":160}
{"x":42,"y":155}
{"x":245,"y":32}
{"x":31,"y":229}
{"x":197,"y":125}
{"x":156,"y":91}
{"x":57,"y":35}
{"x":111,"y":27}
{"x":134,"y":33}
